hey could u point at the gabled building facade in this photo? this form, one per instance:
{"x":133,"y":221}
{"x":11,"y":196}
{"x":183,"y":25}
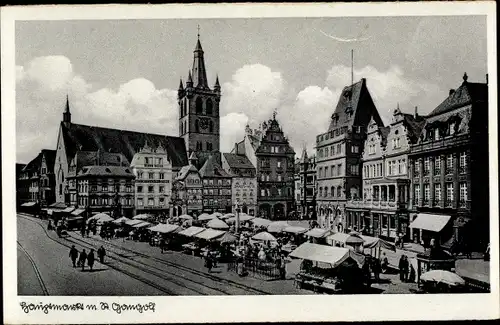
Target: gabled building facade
{"x":382,"y":210}
{"x":47,"y":178}
{"x":216,"y":186}
{"x":270,"y":152}
{"x":244,"y":182}
{"x":153,"y":181}
{"x":339,"y":153}
{"x":187,"y":190}
{"x":449,"y":172}
{"x":305,"y":186}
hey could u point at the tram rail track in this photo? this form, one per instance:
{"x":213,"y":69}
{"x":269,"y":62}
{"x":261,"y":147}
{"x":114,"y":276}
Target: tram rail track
{"x":35,"y":268}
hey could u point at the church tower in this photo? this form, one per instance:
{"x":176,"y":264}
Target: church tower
{"x":199,"y":119}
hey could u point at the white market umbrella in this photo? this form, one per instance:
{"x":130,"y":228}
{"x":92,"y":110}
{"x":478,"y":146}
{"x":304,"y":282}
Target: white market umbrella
{"x":217,"y":214}
{"x":206,"y":216}
{"x":104,"y":218}
{"x":443,"y":276}
{"x":186,"y":217}
{"x":142,"y":217}
{"x":121,"y":220}
{"x":97,"y":216}
{"x":217,"y":224}
{"x":227,"y":215}
{"x":242,"y":217}
{"x":264,"y":236}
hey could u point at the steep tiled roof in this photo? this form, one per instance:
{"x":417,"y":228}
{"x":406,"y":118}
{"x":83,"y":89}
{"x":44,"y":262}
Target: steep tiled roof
{"x":414,"y":126}
{"x":238,"y":161}
{"x":467,"y":93}
{"x":79,"y":137}
{"x":185,"y":170}
{"x":213,"y":168}
{"x":354,"y":97}
{"x":34,"y":164}
{"x":50,"y":159}
{"x":19,"y":168}
{"x":254,"y":141}
{"x":384,"y":132}
{"x":110,"y":171}
{"x":87,"y":158}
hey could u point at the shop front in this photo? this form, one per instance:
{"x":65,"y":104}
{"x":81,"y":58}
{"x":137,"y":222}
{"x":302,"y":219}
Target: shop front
{"x":426,"y":227}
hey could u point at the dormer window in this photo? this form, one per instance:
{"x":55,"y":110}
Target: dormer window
{"x":436,"y":134}
{"x":451,"y":129}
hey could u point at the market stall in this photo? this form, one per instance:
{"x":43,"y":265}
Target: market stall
{"x":217,"y":224}
{"x":318,"y":235}
{"x":277,"y":226}
{"x":329,"y":269}
{"x":260,"y":222}
{"x":206,"y":217}
{"x":188,"y":234}
{"x":434,"y":258}
{"x":373,"y":246}
{"x":353,"y":240}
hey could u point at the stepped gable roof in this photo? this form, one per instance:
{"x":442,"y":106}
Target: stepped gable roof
{"x":109,"y":171}
{"x":466,"y":94}
{"x":238,"y":161}
{"x":212,"y":167}
{"x":384,"y":132}
{"x":79,"y":137}
{"x":87,"y":158}
{"x":50,"y":159}
{"x":414,"y":126}
{"x":351,"y":97}
{"x":185,"y":171}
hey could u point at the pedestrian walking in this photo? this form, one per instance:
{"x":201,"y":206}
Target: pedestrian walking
{"x":412,"y":276}
{"x":82,"y":259}
{"x":73,"y":254}
{"x":208,"y":262}
{"x":401,"y":268}
{"x":213,"y":255}
{"x":49,"y":226}
{"x":101,"y":252}
{"x":162,"y":244}
{"x":282,"y":267}
{"x":377,"y":269}
{"x":87,"y":232}
{"x":91,"y":259}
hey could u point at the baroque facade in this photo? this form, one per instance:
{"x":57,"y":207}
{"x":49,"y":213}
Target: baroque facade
{"x":339,"y":153}
{"x":153,"y":181}
{"x":216,"y":186}
{"x":187,"y":190}
{"x":382,"y":210}
{"x":449,"y":171}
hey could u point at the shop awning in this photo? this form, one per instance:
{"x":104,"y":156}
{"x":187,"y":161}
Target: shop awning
{"x":295,"y":230}
{"x":374,"y":242}
{"x":317,"y":232}
{"x":326,"y":254}
{"x":28,"y":204}
{"x":191,"y":231}
{"x":346,"y":238}
{"x":77,"y":212}
{"x":68,"y":210}
{"x":209,"y":234}
{"x":431,"y":222}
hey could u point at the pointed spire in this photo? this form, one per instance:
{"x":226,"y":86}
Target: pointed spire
{"x":181,"y":86}
{"x":199,"y":71}
{"x":304,"y":159}
{"x":217,"y":84}
{"x":465,"y":77}
{"x":67,"y":113}
{"x":189,"y":82}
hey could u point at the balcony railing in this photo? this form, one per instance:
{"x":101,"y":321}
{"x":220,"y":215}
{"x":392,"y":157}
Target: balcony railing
{"x":375,"y":203}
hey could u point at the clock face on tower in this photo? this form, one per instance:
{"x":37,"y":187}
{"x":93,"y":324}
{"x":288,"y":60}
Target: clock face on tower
{"x":204,"y":123}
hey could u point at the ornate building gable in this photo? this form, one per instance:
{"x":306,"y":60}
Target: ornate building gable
{"x":273,"y":140}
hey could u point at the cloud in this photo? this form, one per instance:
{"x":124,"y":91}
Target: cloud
{"x":254,"y":90}
{"x":41,"y":89}
{"x":232,"y":130}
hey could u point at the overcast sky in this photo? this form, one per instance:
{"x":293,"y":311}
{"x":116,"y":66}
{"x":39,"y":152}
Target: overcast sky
{"x":125,"y":74}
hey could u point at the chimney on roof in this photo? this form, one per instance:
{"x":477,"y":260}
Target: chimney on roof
{"x":451,"y":92}
{"x":416,"y":111}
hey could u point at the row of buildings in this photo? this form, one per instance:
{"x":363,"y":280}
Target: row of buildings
{"x":125,"y":173}
{"x":418,"y":177}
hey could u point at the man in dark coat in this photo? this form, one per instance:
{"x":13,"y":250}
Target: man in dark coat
{"x":73,"y":254}
{"x":82,"y":259}
{"x":91,"y":259}
{"x":101,"y":252}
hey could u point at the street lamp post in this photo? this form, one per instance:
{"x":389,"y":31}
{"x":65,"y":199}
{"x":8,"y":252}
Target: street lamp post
{"x":237,"y":224}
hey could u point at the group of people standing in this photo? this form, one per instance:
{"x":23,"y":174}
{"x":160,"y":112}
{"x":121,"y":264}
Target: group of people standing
{"x":80,"y":258}
{"x":406,"y":270}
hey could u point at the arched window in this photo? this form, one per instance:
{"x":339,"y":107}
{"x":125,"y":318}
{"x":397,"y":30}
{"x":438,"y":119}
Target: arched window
{"x":198,"y":146}
{"x":326,"y":191}
{"x":211,"y":126}
{"x":339,"y":191}
{"x":209,"y":107}
{"x":182,"y":109}
{"x":209,"y":146}
{"x":197,"y":126}
{"x":332,"y":191}
{"x":320,"y":191}
{"x":199,"y":105}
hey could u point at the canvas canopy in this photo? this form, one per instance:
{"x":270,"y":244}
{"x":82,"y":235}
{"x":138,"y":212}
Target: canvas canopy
{"x":217,"y":224}
{"x":186,"y":217}
{"x":431,"y":222}
{"x":209,"y":234}
{"x":349,"y":239}
{"x":373,"y":242}
{"x":77,"y":212}
{"x":206,"y":216}
{"x":68,"y":210}
{"x":121,"y":220}
{"x":227,"y":215}
{"x":242,"y":217}
{"x":217,"y":214}
{"x":28,"y":204}
{"x":228,"y":238}
{"x":142,"y":216}
{"x":326,"y":254}
{"x":317,"y":232}
{"x":277,"y":226}
{"x":295,"y":230}
{"x":133,"y":222}
{"x":164,"y":228}
{"x":191,"y":231}
{"x":260,"y":222}
{"x":142,"y":224}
